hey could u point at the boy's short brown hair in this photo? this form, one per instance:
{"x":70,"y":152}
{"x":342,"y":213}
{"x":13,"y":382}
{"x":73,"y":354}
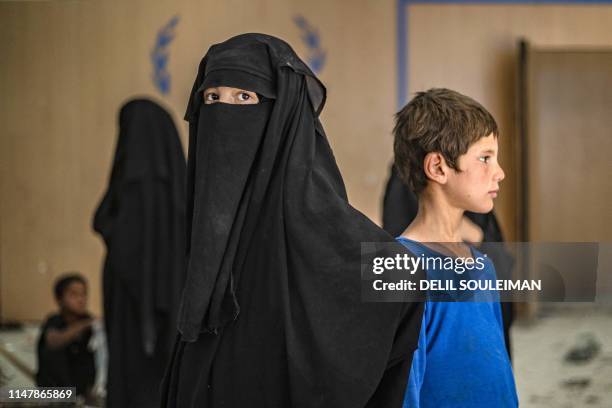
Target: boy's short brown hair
{"x":438,"y":120}
{"x":62,"y":283}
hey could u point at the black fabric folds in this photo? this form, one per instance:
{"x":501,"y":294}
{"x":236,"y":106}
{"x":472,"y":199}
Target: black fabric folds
{"x":142,"y":221}
{"x":272,"y":313}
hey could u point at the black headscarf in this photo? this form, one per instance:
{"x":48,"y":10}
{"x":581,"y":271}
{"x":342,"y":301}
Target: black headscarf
{"x":142,"y":219}
{"x":272,"y":312}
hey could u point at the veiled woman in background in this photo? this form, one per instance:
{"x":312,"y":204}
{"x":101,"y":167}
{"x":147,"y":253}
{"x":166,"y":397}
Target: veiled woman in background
{"x":141,"y":220}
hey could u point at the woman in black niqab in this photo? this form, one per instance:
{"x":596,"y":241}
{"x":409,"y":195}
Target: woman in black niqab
{"x":272,"y":313}
{"x":141,"y":219}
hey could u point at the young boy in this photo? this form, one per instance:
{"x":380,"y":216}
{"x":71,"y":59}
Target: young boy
{"x":64,"y":359}
{"x":446,"y":150}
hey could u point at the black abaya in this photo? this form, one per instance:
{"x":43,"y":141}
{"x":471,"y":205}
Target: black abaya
{"x":141,"y":220}
{"x":272,"y":313}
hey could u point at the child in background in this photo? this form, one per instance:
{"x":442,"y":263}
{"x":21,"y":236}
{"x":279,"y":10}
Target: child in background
{"x":64,"y":359}
{"x":446,"y":150}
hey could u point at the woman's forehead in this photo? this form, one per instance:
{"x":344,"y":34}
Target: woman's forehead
{"x":240,"y":80}
{"x":223,"y":88}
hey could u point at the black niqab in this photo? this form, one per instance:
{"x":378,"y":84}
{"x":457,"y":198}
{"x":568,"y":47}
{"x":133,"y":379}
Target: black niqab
{"x":272,"y":313}
{"x":141,"y":219}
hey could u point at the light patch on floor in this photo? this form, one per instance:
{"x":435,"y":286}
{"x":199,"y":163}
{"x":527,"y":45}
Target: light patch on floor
{"x":543,"y":376}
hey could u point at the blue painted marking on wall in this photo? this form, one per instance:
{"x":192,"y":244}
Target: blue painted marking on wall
{"x":403,"y":53}
{"x":310,"y":36}
{"x":160,"y":54}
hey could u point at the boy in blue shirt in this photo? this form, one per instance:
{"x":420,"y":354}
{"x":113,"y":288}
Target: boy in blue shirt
{"x":446,"y":150}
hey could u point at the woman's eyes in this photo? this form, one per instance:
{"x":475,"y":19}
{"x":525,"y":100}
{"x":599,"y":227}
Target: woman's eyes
{"x":484,"y":159}
{"x":232,"y":98}
{"x":211,"y":96}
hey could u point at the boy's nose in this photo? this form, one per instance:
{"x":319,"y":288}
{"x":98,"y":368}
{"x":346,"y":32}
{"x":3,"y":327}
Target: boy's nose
{"x":500,"y":174}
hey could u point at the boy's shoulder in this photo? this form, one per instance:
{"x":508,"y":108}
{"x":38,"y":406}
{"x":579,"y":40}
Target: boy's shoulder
{"x":53,"y":320}
{"x":408,"y":242}
{"x":423,"y":247}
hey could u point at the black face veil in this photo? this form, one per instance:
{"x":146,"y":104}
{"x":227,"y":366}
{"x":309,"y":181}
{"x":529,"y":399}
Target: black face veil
{"x":272,"y":312}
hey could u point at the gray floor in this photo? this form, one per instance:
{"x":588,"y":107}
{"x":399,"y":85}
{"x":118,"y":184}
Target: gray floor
{"x":18,"y":346}
{"x":544,"y":377}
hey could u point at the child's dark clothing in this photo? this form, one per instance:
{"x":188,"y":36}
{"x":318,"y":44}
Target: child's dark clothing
{"x":71,"y":365}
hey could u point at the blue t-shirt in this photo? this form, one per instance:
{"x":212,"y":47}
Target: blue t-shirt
{"x":461,"y":360}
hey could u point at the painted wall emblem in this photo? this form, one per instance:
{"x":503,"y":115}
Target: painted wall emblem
{"x":160,"y":55}
{"x":310,"y":37}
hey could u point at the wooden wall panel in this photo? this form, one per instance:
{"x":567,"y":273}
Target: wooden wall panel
{"x":473,"y":49}
{"x":570,"y":141}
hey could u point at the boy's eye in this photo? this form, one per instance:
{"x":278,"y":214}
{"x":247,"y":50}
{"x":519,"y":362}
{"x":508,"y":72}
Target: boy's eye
{"x":243,"y":96}
{"x":484,"y":159}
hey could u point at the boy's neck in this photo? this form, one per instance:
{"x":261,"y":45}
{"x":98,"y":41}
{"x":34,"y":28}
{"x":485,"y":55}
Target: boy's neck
{"x":436,"y":219}
{"x":68,"y":316}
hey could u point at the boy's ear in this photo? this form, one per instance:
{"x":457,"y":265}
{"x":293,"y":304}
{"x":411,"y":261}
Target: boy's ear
{"x":435,"y":167}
